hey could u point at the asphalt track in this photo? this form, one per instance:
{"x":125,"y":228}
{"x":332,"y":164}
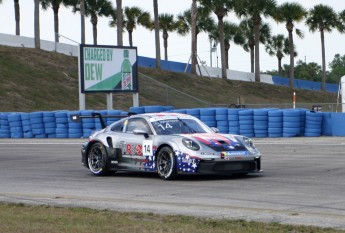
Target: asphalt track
{"x":303,"y":183}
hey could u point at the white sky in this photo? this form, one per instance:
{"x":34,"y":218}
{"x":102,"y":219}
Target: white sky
{"x":308,"y":49}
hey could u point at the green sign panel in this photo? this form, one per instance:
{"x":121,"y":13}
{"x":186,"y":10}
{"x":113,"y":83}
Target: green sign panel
{"x":108,"y":69}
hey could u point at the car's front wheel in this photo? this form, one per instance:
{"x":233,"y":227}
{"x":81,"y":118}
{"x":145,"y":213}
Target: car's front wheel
{"x":97,"y":159}
{"x":166,"y":163}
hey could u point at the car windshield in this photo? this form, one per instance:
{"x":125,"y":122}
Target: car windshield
{"x":178,"y":126}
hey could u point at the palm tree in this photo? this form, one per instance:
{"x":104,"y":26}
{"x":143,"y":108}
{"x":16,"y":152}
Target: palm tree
{"x":341,"y":26}
{"x":220,"y":8}
{"x":157,"y":41}
{"x":232,"y":33}
{"x":82,"y":21}
{"x":95,"y":8}
{"x":289,"y":13}
{"x":278,"y":46}
{"x":167,"y":24}
{"x":55,"y":5}
{"x":17,"y":16}
{"x":322,"y":18}
{"x":37,"y":23}
{"x":247,"y":29}
{"x":119,"y":22}
{"x":133,"y":16}
{"x":255,"y":10}
{"x":203,"y":23}
{"x":194,"y":15}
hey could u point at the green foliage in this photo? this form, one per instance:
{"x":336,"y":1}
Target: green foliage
{"x":309,"y":71}
{"x":323,"y":18}
{"x":313,"y":72}
{"x":337,"y":69}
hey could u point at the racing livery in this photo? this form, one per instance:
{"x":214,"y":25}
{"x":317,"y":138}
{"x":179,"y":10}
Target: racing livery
{"x":168,"y":144}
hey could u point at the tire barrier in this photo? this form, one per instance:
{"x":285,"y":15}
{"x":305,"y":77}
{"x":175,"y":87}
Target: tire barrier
{"x":257,"y":123}
{"x":313,"y":124}
{"x":16,"y":127}
{"x":260,"y":117}
{"x":193,"y":112}
{"x":233,"y":120}
{"x":275,"y":123}
{"x":208,"y":116}
{"x":37,"y":125}
{"x":49,"y":124}
{"x":61,"y":119}
{"x":222,"y":120}
{"x":291,"y":123}
{"x":246,"y":122}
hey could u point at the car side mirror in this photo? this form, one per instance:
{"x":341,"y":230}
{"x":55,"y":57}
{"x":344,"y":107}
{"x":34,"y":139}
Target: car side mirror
{"x":141,"y":132}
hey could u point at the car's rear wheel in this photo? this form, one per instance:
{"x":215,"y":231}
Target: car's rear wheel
{"x":166,"y":163}
{"x":97,"y":159}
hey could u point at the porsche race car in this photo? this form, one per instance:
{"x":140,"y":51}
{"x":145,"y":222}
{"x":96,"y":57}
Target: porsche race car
{"x":168,"y":144}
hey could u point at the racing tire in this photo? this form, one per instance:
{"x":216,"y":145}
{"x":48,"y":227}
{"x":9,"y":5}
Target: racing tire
{"x":97,"y":160}
{"x":166,"y":163}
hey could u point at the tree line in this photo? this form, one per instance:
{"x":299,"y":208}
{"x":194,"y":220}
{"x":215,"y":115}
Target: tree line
{"x":200,"y":18}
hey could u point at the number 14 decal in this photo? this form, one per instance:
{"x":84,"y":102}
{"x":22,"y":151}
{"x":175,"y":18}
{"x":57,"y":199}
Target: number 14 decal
{"x":147,"y":148}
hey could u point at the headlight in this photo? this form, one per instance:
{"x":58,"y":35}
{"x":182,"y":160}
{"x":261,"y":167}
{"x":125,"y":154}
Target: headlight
{"x":248,"y":142}
{"x":190,"y":144}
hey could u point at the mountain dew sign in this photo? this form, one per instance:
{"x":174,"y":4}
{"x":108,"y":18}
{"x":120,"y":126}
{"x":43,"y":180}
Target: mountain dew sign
{"x":108,"y":69}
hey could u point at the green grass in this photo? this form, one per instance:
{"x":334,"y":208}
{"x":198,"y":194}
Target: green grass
{"x":19,"y":218}
{"x":36,"y":80}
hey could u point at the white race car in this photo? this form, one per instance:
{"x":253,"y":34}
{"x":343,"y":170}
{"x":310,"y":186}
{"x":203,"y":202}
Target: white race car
{"x":168,"y":144}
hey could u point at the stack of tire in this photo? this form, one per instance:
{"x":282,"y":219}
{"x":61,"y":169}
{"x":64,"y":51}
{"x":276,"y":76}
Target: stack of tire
{"x":184,"y":111}
{"x":260,"y":123}
{"x":152,"y":109}
{"x":208,"y":116}
{"x":4,"y":126}
{"x":313,"y":124}
{"x":195,"y":112}
{"x":26,"y":123}
{"x":75,"y":129}
{"x":49,"y":124}
{"x":168,"y":108}
{"x":275,"y":123}
{"x":37,"y":125}
{"x":246,"y":122}
{"x":222,"y":120}
{"x":137,"y":110}
{"x":233,"y":119}
{"x":111,"y":120}
{"x":88,"y":123}
{"x":15,"y":123}
{"x":291,"y":123}
{"x":61,"y":119}
{"x":303,"y":113}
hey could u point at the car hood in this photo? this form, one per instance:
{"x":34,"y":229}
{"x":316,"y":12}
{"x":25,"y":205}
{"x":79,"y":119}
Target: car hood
{"x":216,"y":141}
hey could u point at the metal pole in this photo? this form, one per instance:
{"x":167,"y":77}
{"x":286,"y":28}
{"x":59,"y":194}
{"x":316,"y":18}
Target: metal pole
{"x":81,"y":95}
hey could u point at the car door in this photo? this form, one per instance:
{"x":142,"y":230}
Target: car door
{"x":133,"y":145}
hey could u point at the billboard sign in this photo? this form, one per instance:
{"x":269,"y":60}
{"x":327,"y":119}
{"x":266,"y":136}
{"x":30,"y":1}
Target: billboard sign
{"x":108,"y":68}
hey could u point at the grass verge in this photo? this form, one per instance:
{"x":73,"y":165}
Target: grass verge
{"x":19,"y":218}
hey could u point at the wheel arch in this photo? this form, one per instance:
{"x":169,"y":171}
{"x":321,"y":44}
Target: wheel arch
{"x":164,"y":145}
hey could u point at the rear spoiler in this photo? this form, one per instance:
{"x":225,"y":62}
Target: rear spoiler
{"x":77,"y":118}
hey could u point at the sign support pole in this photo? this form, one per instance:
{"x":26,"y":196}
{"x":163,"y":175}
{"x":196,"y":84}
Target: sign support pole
{"x":110,"y":101}
{"x":81,"y":95}
{"x":136,"y":99}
